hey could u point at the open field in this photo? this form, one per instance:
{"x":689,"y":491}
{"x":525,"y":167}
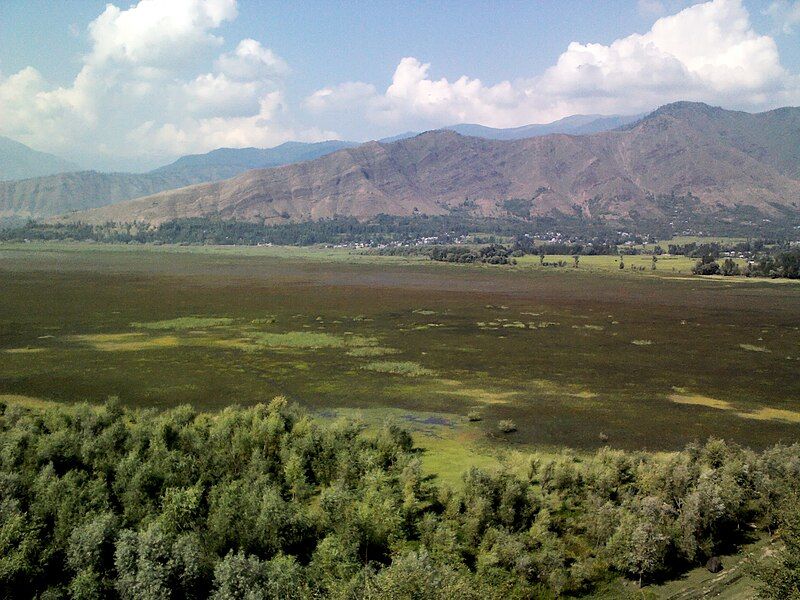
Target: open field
{"x":666,"y":265}
{"x":574,"y":357}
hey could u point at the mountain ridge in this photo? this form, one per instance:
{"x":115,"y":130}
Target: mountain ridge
{"x":573,"y":125}
{"x":18,"y":161}
{"x":81,"y":190}
{"x":724,"y":159}
{"x":77,"y":190}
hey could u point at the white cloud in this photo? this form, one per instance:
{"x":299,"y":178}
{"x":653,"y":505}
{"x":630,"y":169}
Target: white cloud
{"x":215,"y":95}
{"x":149,"y":70}
{"x":159,"y":80}
{"x":263,"y":129}
{"x":707,"y":52}
{"x":157,"y":32}
{"x":251,"y":60}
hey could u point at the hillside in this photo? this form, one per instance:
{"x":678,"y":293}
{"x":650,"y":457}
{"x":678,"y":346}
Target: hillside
{"x":18,"y":161}
{"x":82,"y":190}
{"x":75,"y":191}
{"x":721,"y":160}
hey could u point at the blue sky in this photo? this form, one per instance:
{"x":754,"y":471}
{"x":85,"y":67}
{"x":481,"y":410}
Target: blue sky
{"x":131,"y":85}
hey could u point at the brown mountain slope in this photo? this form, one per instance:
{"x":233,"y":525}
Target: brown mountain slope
{"x":724,"y":158}
{"x":51,"y":195}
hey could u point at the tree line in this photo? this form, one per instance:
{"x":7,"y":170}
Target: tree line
{"x":382,"y":229}
{"x":775,"y":264}
{"x":266,"y":502}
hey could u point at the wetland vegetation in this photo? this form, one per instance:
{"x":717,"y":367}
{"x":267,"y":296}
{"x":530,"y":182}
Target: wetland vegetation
{"x":530,"y":395}
{"x":565,"y":354}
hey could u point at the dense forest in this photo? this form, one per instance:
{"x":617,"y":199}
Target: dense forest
{"x":266,"y":502}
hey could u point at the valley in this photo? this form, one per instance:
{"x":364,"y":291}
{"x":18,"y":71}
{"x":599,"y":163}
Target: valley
{"x":574,"y":357}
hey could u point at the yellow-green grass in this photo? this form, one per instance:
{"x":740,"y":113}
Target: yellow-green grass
{"x":184,"y":323}
{"x":665,"y":265}
{"x":477,"y":395}
{"x":126,"y":342}
{"x":732,"y":583}
{"x":299,"y":340}
{"x":449,"y":445}
{"x":450,"y":457}
{"x":753,"y":348}
{"x":406,"y":368}
{"x":764,"y":413}
{"x":319,"y":253}
{"x":29,"y":402}
{"x":26,"y":350}
{"x":371,"y":351}
{"x":772,"y":414}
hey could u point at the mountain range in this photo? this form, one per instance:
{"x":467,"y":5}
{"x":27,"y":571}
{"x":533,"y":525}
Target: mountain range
{"x":722,"y":160}
{"x":81,"y":190}
{"x":18,"y":161}
{"x":39,"y":197}
{"x":573,"y":125}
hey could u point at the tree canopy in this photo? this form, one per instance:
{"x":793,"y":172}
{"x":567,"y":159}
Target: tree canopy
{"x":268,"y":502}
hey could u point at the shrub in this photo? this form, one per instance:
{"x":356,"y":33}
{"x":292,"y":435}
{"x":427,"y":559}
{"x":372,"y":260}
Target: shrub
{"x":406,"y":368}
{"x":729,"y":268}
{"x":507,"y":426}
{"x":706,"y":266}
{"x":474,"y":416}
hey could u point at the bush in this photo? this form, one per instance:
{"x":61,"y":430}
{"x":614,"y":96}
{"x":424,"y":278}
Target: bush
{"x":474,"y":416}
{"x":706,"y":266}
{"x":507,"y":426}
{"x":729,"y":268}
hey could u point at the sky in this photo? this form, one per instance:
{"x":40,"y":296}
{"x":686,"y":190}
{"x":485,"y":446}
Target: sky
{"x":132,"y":85}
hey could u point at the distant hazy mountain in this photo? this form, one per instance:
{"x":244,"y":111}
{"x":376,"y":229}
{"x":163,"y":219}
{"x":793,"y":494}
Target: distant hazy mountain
{"x":227,"y":162}
{"x":725,"y":159}
{"x":574,"y":125}
{"x":18,"y":161}
{"x":74,"y":191}
{"x":400,"y":136}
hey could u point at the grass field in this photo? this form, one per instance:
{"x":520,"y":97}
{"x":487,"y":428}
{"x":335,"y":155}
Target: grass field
{"x":575,"y":357}
{"x":666,"y":265}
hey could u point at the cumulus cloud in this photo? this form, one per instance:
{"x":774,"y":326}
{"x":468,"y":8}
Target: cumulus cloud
{"x":155,"y":32}
{"x":156,"y":68}
{"x":251,"y":60}
{"x":258,"y":130}
{"x":215,"y":95}
{"x":707,"y":52}
{"x":158,"y":80}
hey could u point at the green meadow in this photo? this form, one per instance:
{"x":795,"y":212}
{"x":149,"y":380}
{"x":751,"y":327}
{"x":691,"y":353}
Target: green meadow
{"x":577,"y":357}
